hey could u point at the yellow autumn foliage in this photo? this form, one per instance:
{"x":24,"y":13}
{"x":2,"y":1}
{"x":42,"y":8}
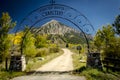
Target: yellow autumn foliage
{"x":18,"y":38}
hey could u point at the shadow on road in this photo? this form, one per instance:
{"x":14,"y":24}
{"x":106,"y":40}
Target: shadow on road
{"x":79,"y":70}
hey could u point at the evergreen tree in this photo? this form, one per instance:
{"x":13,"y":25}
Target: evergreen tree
{"x":6,"y":25}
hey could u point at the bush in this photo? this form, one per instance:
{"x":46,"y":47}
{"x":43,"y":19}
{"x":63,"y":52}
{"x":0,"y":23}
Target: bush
{"x":42,"y":52}
{"x":54,"y":49}
{"x":46,"y":51}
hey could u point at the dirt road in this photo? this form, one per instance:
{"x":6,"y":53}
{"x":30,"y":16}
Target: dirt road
{"x":61,"y":63}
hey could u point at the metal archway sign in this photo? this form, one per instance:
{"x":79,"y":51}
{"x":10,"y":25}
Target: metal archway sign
{"x":64,"y":12}
{"x":54,"y":10}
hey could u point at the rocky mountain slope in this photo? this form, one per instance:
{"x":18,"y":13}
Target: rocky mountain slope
{"x":58,"y":32}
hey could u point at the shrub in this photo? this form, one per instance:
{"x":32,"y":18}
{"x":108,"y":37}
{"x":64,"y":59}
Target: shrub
{"x":46,"y":51}
{"x":54,"y":49}
{"x":42,"y":52}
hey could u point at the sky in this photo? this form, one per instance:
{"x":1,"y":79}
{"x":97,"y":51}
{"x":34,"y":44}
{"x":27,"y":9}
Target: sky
{"x":99,"y":12}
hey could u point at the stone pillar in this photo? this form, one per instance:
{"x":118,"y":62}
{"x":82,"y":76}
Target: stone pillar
{"x":93,"y":61}
{"x":23,"y":62}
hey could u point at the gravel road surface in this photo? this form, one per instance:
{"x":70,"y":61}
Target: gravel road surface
{"x":59,"y":64}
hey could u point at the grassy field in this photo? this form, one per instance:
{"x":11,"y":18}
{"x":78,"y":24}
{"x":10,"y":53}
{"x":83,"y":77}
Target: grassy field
{"x":89,"y":73}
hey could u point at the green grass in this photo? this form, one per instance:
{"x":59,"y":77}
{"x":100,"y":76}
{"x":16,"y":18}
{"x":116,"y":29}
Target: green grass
{"x":4,"y":75}
{"x":89,"y":73}
{"x":94,"y":74}
{"x":76,"y":60}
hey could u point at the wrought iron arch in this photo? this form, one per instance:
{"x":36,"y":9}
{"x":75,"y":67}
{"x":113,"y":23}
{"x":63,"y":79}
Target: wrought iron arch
{"x":68,"y":12}
{"x":54,"y":10}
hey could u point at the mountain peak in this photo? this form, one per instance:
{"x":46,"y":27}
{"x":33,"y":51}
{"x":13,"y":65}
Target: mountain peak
{"x":53,"y":21}
{"x":58,"y":31}
{"x":55,"y":27}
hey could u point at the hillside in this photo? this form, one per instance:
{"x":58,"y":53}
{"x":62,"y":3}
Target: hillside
{"x":60,"y":33}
